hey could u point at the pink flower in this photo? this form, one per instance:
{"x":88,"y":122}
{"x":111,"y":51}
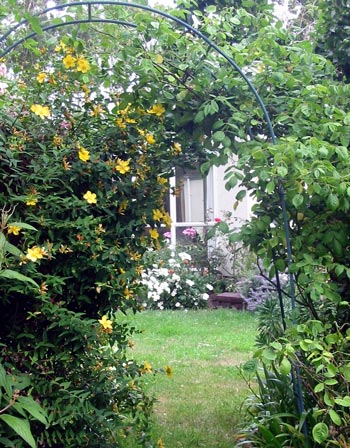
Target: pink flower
{"x":217,"y":219}
{"x":190,"y":231}
{"x":3,"y":70}
{"x":167,"y":235}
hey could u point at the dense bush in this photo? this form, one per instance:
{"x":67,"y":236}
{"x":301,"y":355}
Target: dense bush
{"x":81,"y":155}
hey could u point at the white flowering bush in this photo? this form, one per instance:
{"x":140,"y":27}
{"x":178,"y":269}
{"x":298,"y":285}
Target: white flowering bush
{"x":173,"y":281}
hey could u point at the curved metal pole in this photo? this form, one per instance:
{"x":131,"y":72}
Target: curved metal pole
{"x":218,"y":50}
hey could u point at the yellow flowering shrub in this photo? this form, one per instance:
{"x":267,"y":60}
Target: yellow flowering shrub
{"x":85,"y":166}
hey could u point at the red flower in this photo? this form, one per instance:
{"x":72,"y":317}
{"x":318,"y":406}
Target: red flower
{"x":217,"y":219}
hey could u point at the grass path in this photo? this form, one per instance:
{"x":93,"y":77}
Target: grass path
{"x":199,"y":406}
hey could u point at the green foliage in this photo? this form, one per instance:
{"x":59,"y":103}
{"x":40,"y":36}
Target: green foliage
{"x":17,"y":410}
{"x":86,"y":155}
{"x":333,"y":34}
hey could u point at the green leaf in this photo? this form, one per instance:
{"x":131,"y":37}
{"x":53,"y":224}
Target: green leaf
{"x":23,"y":225}
{"x":320,"y":432}
{"x":319,"y":388}
{"x":285,"y":366}
{"x":11,"y":249}
{"x":21,"y":427}
{"x":335,"y":417}
{"x":13,"y":275}
{"x":333,"y":201}
{"x":33,"y":408}
{"x":297,"y":200}
{"x":269,"y":355}
{"x":241,"y":194}
{"x":270,"y":187}
{"x":219,"y":136}
{"x":345,"y":401}
{"x":34,"y":23}
{"x":282,"y":171}
{"x":4,"y":383}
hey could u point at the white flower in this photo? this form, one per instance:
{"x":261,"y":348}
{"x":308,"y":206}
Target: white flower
{"x":205,"y":296}
{"x":3,"y":87}
{"x":210,"y":287}
{"x":189,"y":282}
{"x":184,"y":256}
{"x":177,"y":304}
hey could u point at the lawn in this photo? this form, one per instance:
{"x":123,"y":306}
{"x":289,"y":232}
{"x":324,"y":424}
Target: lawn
{"x":199,"y":406}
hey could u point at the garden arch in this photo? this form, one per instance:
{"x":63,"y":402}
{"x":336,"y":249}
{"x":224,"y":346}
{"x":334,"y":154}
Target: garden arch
{"x":43,"y":25}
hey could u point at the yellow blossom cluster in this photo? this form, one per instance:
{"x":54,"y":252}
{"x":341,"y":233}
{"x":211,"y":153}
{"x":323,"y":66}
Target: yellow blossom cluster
{"x":106,"y":324}
{"x":12,"y":229}
{"x":90,"y":197}
{"x":162,"y":215}
{"x":83,"y":154}
{"x":31,"y":200}
{"x":150,"y":139}
{"x":79,"y":63}
{"x":42,"y":76}
{"x":35,"y":253}
{"x":41,"y":111}
{"x":122,"y":166}
{"x":153,"y":233}
{"x":157,"y":109}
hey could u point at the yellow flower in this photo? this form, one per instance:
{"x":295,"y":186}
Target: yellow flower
{"x":261,"y":68}
{"x":83,"y":65}
{"x":106,"y":324}
{"x":153,"y":233}
{"x":13,"y":229}
{"x":83,"y":154}
{"x":66,"y":164}
{"x":123,"y":206}
{"x":157,"y":215}
{"x":42,"y":111}
{"x":123,"y":166}
{"x":120,"y":123}
{"x":96,"y":110}
{"x":176,"y":148}
{"x":128,"y":294}
{"x":57,"y":140}
{"x":69,"y":61}
{"x":150,"y":139}
{"x":130,"y":120}
{"x":159,"y":59}
{"x":31,"y":201}
{"x":160,"y":443}
{"x":157,"y":109}
{"x":35,"y":253}
{"x":43,"y":288}
{"x":90,"y":197}
{"x":169,"y":371}
{"x":61,"y":46}
{"x":147,"y":367}
{"x":166,"y":219}
{"x":41,"y":77}
{"x":162,"y":180}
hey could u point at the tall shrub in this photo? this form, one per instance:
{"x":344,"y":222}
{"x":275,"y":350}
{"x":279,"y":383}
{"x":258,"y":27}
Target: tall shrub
{"x":85,"y":158}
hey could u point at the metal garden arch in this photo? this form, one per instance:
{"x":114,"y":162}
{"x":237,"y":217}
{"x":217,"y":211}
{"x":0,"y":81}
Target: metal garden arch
{"x":91,"y":19}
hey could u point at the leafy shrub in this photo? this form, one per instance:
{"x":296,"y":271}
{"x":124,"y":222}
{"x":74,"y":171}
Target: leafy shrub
{"x":173,"y":281}
{"x":81,"y":155}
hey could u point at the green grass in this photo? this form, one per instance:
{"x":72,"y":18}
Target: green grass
{"x":199,"y":406}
